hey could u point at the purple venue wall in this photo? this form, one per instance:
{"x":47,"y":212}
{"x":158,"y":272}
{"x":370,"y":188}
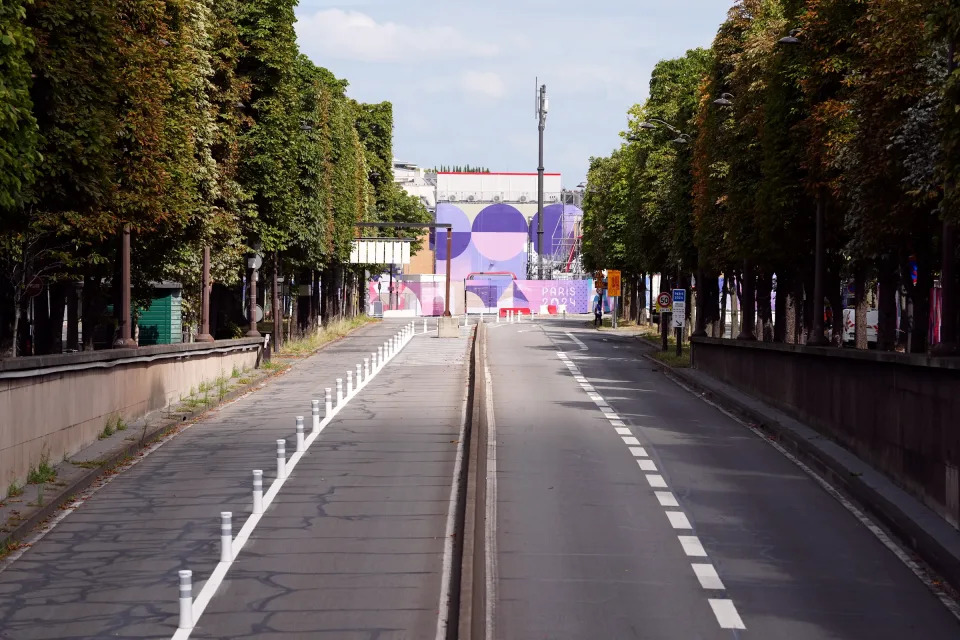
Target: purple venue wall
{"x":491,"y":294}
{"x":493,"y":237}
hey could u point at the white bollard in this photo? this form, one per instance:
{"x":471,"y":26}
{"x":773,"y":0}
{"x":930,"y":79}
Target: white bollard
{"x":186,"y":599}
{"x":299,"y":433}
{"x":379,"y":357}
{"x":373,"y":363}
{"x":366,"y":369}
{"x":281,"y":459}
{"x":226,"y":536}
{"x":339,"y":391}
{"x":315,"y":414}
{"x":257,"y":491}
{"x":349,"y":383}
{"x":359,"y":374}
{"x":481,"y":318}
{"x":328,"y":403}
{"x":424,"y":325}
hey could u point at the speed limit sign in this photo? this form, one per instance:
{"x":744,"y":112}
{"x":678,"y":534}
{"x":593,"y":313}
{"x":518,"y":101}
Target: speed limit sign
{"x":664,"y":302}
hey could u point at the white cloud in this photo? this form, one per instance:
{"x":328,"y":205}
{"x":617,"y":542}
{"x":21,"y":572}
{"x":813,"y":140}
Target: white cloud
{"x":352,"y":35}
{"x":483,"y":83}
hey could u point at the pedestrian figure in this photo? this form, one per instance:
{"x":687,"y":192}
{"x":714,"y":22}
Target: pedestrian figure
{"x":598,"y":312}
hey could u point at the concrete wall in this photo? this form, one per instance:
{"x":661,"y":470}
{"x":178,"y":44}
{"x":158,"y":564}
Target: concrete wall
{"x":57,"y":405}
{"x":899,"y":413}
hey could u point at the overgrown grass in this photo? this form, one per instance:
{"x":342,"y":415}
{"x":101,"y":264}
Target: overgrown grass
{"x":41,"y":473}
{"x":671,"y":359}
{"x":335,"y":330}
{"x":14,"y":490}
{"x":87,"y":464}
{"x":114,"y":424}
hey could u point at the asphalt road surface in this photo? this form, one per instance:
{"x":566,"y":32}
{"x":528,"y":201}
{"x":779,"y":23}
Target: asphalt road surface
{"x":629,"y":508}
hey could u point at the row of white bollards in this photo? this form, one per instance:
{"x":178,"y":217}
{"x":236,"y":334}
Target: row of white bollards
{"x":370,"y":367}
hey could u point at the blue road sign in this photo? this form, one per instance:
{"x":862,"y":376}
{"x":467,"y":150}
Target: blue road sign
{"x":679,"y":295}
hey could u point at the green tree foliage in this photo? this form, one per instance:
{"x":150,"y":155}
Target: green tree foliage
{"x":195,"y":122}
{"x":18,"y":127}
{"x":859,"y":115}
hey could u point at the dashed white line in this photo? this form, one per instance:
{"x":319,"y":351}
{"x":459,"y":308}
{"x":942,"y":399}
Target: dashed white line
{"x":678,"y":520}
{"x":647,"y":465}
{"x":656,"y":481}
{"x":666,"y":499}
{"x":723,"y":608}
{"x":691,"y":546}
{"x":707,"y":576}
{"x":726,"y":613}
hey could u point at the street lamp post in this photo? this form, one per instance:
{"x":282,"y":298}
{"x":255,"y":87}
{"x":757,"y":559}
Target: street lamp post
{"x":542,"y":107}
{"x":253,"y":263}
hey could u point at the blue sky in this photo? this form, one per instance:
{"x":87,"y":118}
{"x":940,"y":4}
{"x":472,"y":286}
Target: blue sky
{"x":460,"y":74}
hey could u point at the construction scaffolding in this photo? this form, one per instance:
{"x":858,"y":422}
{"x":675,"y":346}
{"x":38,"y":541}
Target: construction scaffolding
{"x":564,"y":262}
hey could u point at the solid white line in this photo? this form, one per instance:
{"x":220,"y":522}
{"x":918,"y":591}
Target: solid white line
{"x":582,"y":346}
{"x":639,"y":452}
{"x":623,"y":431}
{"x":656,"y":481}
{"x":678,"y":520}
{"x":692,"y":547}
{"x":647,"y":465}
{"x":666,"y":499}
{"x":630,"y":440}
{"x":726,"y":614}
{"x":945,"y":598}
{"x":491,"y":499}
{"x":443,"y":620}
{"x":707,"y":576}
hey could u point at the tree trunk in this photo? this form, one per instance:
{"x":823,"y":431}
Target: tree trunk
{"x":748,"y":303}
{"x":887,"y":306}
{"x":53,"y":336}
{"x":73,"y":324}
{"x":764,"y":311}
{"x":17,"y":312}
{"x":860,"y":312}
{"x":834,"y":294}
{"x":920,"y":297}
{"x":325,"y":278}
{"x":724,"y":291}
{"x":736,"y":304}
{"x":780,"y":309}
{"x":91,"y":303}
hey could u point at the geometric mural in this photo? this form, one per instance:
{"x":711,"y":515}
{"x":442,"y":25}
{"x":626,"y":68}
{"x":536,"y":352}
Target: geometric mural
{"x":493,"y":237}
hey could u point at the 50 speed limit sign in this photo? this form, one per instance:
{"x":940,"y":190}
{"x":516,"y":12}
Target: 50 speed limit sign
{"x":664,"y":302}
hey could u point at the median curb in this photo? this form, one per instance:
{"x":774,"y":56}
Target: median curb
{"x":915,"y":526}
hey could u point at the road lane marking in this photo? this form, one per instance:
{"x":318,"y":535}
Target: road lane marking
{"x":666,"y":499}
{"x":678,"y":520}
{"x":490,"y":530}
{"x":212,"y":584}
{"x":582,"y":346}
{"x":724,"y":609}
{"x":656,"y":481}
{"x":707,"y":576}
{"x":692,"y":547}
{"x":443,"y":621}
{"x":726,"y":613}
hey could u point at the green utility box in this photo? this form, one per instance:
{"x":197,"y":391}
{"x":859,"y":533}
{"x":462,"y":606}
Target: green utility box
{"x":162,"y":321}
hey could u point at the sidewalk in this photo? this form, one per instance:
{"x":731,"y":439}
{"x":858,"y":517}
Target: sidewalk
{"x":109,"y":568}
{"x":923,"y":531}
